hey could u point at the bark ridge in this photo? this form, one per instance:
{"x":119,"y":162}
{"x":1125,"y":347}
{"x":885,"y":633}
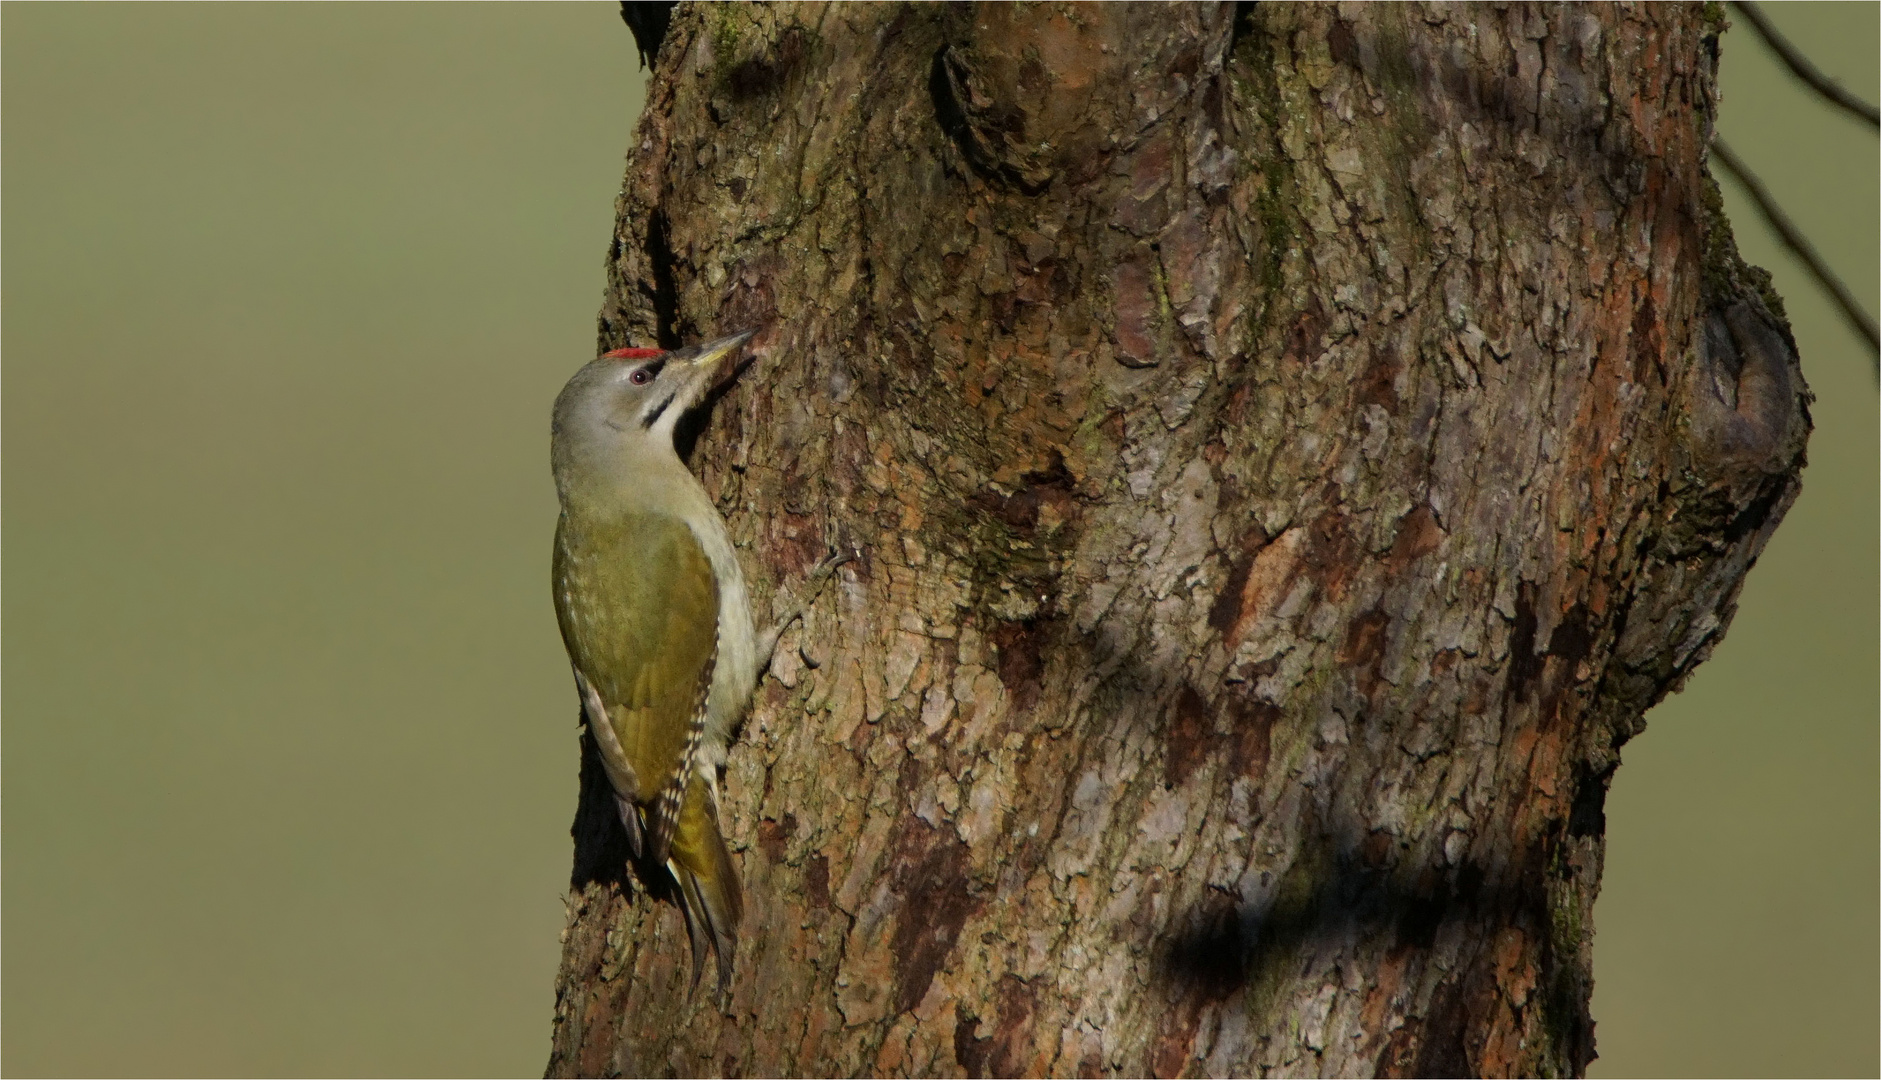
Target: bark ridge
{"x":1289,"y":448}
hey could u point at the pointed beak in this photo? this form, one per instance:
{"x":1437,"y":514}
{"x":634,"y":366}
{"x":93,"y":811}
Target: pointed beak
{"x":711,"y":354}
{"x":706,"y":363}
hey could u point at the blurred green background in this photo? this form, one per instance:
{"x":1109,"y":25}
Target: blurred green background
{"x":289,"y":752}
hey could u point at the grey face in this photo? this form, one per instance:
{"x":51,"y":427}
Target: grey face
{"x":644,"y":391}
{"x":642,"y":394}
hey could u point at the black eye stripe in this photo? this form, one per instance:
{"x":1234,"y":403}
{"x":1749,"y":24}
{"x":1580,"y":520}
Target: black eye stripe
{"x":653,"y":414}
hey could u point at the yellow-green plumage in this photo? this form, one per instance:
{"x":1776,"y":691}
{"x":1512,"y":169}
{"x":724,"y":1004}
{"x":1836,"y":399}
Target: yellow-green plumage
{"x":654,"y":613}
{"x":638,"y":607}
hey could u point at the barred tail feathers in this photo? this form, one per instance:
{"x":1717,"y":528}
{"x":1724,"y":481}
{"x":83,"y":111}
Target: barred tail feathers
{"x":702,"y":866}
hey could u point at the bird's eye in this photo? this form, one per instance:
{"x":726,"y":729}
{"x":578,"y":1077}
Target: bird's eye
{"x":641,"y":377}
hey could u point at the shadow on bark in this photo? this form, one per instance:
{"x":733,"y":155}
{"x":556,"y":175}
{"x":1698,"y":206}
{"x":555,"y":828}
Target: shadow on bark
{"x":1223,"y":946}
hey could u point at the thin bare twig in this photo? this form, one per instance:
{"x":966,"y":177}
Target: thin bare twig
{"x":1800,"y":66}
{"x":1799,"y":244}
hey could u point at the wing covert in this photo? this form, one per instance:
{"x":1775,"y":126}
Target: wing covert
{"x":638,"y":606}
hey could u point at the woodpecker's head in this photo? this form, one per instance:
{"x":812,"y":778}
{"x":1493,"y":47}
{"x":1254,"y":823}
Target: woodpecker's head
{"x":625,"y":404}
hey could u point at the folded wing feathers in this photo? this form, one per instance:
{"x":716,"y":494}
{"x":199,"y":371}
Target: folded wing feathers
{"x":665,"y":816}
{"x":620,"y":772}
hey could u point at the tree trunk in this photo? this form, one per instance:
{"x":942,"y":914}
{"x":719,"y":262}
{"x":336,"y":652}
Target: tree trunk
{"x":1288,"y":447}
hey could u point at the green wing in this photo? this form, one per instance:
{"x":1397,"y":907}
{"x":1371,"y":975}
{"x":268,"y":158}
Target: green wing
{"x":638,"y":607}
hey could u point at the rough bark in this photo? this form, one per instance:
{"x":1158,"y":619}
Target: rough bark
{"x":1289,"y":448}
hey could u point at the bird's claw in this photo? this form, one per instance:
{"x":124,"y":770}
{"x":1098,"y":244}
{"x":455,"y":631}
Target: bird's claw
{"x":813,"y":586}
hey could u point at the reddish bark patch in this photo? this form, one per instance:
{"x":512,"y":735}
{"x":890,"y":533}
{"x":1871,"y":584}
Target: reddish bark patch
{"x":1021,"y":661}
{"x":1303,"y":336}
{"x":935,"y":904}
{"x":1187,"y":739}
{"x":1191,"y":737}
{"x":1648,"y":341}
{"x":1133,"y":305}
{"x":1331,"y":551}
{"x":1043,"y":283}
{"x":1047,"y":497}
{"x":1169,"y":1055}
{"x":1364,"y":647}
{"x":969,"y":1049}
{"x":1341,"y":44}
{"x":1147,"y":209}
{"x":597,"y":1047}
{"x":1013,"y":1046}
{"x":1252,"y":736}
{"x":1234,"y":412}
{"x":1226,"y":612}
{"x":771,"y":840}
{"x":816,"y":880}
{"x":1400,"y":1053}
{"x":1378,"y":385}
{"x":1418,"y":535}
{"x":796,"y":541}
{"x":1269,"y":575}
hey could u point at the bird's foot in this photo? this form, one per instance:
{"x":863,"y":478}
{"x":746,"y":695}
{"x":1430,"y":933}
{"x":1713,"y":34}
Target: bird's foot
{"x":812,"y":587}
